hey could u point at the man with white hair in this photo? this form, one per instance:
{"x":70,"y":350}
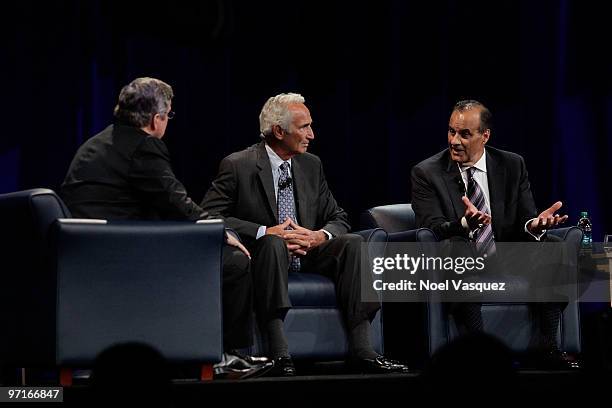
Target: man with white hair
{"x":274,"y":194}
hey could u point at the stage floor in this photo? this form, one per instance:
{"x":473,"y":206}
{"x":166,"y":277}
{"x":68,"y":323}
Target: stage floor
{"x":356,"y":389}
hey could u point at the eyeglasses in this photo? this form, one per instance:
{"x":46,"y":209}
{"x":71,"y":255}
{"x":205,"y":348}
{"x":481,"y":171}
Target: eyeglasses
{"x":171,"y":114}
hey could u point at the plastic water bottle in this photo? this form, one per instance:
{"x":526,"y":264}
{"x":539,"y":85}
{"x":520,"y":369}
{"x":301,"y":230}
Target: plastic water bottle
{"x":584,"y":223}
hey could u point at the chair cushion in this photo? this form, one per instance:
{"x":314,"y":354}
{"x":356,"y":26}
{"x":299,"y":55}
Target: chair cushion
{"x":311,"y":290}
{"x":317,"y":334}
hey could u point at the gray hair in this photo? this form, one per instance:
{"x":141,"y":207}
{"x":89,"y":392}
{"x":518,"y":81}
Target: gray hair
{"x":275,"y":112}
{"x":142,"y":99}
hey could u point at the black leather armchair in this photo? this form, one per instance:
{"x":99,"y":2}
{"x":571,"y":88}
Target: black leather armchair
{"x":314,"y":326}
{"x":80,"y":286}
{"x":511,"y":322}
{"x":27,"y":294}
{"x":156,"y":283}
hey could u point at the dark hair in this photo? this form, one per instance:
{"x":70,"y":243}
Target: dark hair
{"x":486,"y":118}
{"x":141,"y":99}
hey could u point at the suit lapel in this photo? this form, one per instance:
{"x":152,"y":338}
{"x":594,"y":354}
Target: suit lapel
{"x":496,"y":176}
{"x":265,"y":177}
{"x":455,"y":187}
{"x":301,"y":196}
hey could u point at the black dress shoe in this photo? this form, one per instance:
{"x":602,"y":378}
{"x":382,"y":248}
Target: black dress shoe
{"x":560,"y":360}
{"x":378,"y":365}
{"x":234,"y":367}
{"x":283,"y":367}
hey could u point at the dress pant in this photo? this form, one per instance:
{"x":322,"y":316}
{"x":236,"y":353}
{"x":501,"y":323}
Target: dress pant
{"x":468,"y":315}
{"x":338,"y":258}
{"x":237,"y":298}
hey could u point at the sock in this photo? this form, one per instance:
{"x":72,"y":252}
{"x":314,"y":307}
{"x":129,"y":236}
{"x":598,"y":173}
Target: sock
{"x":277,"y":342}
{"x":359,"y":341}
{"x":550,"y":317}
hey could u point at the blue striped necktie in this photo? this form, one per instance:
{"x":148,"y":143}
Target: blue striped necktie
{"x":286,"y":206}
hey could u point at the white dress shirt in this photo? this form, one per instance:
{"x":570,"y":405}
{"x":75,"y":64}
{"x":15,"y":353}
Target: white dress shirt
{"x":275,"y":163}
{"x":480,"y":177}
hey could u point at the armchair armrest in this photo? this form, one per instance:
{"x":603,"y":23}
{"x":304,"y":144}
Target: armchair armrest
{"x":373,"y":235}
{"x":567,"y":234}
{"x":378,"y":238}
{"x":415,"y":235}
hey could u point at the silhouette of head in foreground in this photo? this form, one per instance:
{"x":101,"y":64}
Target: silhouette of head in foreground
{"x":131,"y":372}
{"x":473,"y":365}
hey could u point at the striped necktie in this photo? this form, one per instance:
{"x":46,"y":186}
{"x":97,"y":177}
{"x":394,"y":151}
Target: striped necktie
{"x":484,"y":236}
{"x":286,"y":206}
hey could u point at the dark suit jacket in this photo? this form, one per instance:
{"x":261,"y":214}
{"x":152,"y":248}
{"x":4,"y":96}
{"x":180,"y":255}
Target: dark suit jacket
{"x":243,"y":194}
{"x":123,"y":173}
{"x":437,"y":189}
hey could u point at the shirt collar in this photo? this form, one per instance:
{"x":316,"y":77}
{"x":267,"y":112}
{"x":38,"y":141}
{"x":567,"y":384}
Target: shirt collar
{"x":275,"y":160}
{"x":481,"y":164}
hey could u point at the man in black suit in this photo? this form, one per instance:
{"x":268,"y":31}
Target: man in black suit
{"x":274,"y":194}
{"x":505,"y":210}
{"x":124,"y":173}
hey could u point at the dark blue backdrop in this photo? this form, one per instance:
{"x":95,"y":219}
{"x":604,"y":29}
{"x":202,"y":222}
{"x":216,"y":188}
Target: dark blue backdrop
{"x":380,"y":78}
